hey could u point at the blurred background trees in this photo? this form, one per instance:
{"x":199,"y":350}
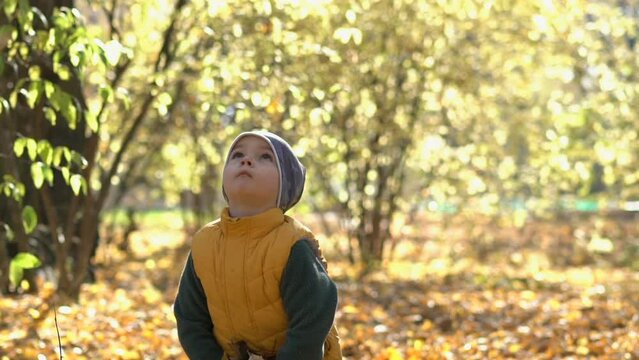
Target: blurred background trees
{"x":505,"y":110}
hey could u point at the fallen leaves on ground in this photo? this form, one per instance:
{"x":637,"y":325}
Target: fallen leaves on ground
{"x":454,"y":318}
{"x":123,"y":316}
{"x":407,"y":310}
{"x":126,"y":314}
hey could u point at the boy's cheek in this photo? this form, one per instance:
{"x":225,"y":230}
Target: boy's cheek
{"x":225,"y":178}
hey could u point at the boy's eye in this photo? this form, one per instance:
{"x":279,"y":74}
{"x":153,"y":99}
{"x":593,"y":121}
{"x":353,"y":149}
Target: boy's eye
{"x":267,"y":156}
{"x":237,"y":154}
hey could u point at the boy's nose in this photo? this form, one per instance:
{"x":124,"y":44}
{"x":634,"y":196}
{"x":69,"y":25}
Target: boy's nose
{"x":246,"y":161}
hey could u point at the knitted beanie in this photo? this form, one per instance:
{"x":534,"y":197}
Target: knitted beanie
{"x":292,"y":172}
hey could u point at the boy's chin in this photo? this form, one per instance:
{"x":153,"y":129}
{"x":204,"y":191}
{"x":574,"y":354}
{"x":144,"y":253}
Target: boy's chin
{"x":251,"y":200}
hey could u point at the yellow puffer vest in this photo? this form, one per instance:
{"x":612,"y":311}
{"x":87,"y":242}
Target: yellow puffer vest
{"x":240,"y":262}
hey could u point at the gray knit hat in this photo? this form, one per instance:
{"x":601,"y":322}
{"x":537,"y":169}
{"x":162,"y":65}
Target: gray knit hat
{"x":292,"y":172}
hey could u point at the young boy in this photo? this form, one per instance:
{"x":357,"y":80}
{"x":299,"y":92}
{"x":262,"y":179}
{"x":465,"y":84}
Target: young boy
{"x":255,"y":283}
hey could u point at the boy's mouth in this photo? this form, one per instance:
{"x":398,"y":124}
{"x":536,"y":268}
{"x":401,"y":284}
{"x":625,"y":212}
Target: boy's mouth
{"x":244,"y":173}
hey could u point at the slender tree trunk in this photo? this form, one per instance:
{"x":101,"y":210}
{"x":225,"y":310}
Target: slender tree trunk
{"x":4,"y":261}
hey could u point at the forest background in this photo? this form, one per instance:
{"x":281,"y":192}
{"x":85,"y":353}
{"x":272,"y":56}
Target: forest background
{"x":472,"y":167}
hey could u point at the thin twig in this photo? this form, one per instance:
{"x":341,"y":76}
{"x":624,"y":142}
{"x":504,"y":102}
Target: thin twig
{"x":57,"y":329}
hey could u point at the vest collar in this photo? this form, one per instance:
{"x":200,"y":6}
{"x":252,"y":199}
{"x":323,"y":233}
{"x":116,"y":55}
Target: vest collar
{"x":256,"y":226}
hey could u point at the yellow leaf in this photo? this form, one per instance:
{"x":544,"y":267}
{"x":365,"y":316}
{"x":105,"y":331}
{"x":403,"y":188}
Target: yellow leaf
{"x":151,"y":295}
{"x":528,"y":295}
{"x":350,"y":309}
{"x":150,"y":264}
{"x":573,"y":315}
{"x":34,"y":313}
{"x":554,"y":304}
{"x":379,"y":313}
{"x":514,"y":348}
{"x":274,"y":107}
{"x":127,"y":354}
{"x":582,"y":350}
{"x":394,"y":353}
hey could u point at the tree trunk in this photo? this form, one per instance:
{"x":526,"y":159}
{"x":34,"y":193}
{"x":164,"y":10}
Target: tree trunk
{"x":4,"y":262}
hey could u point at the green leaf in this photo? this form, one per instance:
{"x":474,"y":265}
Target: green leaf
{"x":38,"y":88}
{"x":10,"y":7}
{"x":106,"y":92}
{"x":34,"y":72}
{"x":97,"y":53}
{"x":49,"y":88}
{"x":29,"y":219}
{"x":61,"y":20}
{"x":18,"y":146}
{"x":32,"y":147}
{"x":15,"y":275}
{"x":33,"y":94}
{"x":37,"y":175}
{"x":123,"y":95}
{"x":75,"y":59}
{"x":20,"y":262}
{"x":76,"y":183}
{"x":57,"y":156}
{"x":62,"y":102}
{"x":67,"y":154}
{"x":65,"y":174}
{"x":9,"y":191}
{"x":50,"y":114}
{"x":48,"y":175}
{"x":79,"y":160}
{"x":75,"y":14}
{"x":4,"y":104}
{"x":45,"y":151}
{"x":19,"y":191}
{"x":51,"y":38}
{"x":76,"y":53}
{"x":25,"y":16}
{"x":8,"y":231}
{"x":92,"y":121}
{"x":62,"y":71}
{"x":70,"y":112}
{"x":24,"y":50}
{"x":113,"y":49}
{"x":26,"y":261}
{"x":13,"y":99}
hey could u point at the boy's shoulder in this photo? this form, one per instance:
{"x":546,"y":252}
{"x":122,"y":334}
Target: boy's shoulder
{"x":207,"y":231}
{"x":298,"y":226}
{"x":213,"y":224}
{"x":303,"y":232}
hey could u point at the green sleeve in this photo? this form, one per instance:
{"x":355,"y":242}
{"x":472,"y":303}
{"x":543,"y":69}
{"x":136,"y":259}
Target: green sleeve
{"x":194,"y":324}
{"x":310,"y":301}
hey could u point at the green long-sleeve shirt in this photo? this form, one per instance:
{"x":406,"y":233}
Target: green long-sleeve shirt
{"x":308,"y":294}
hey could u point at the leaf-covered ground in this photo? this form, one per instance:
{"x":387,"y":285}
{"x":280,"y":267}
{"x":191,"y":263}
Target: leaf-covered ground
{"x":435,"y":309}
{"x":466,"y":316}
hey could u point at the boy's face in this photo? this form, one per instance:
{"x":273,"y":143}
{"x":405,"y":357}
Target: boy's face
{"x":250,"y":176}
